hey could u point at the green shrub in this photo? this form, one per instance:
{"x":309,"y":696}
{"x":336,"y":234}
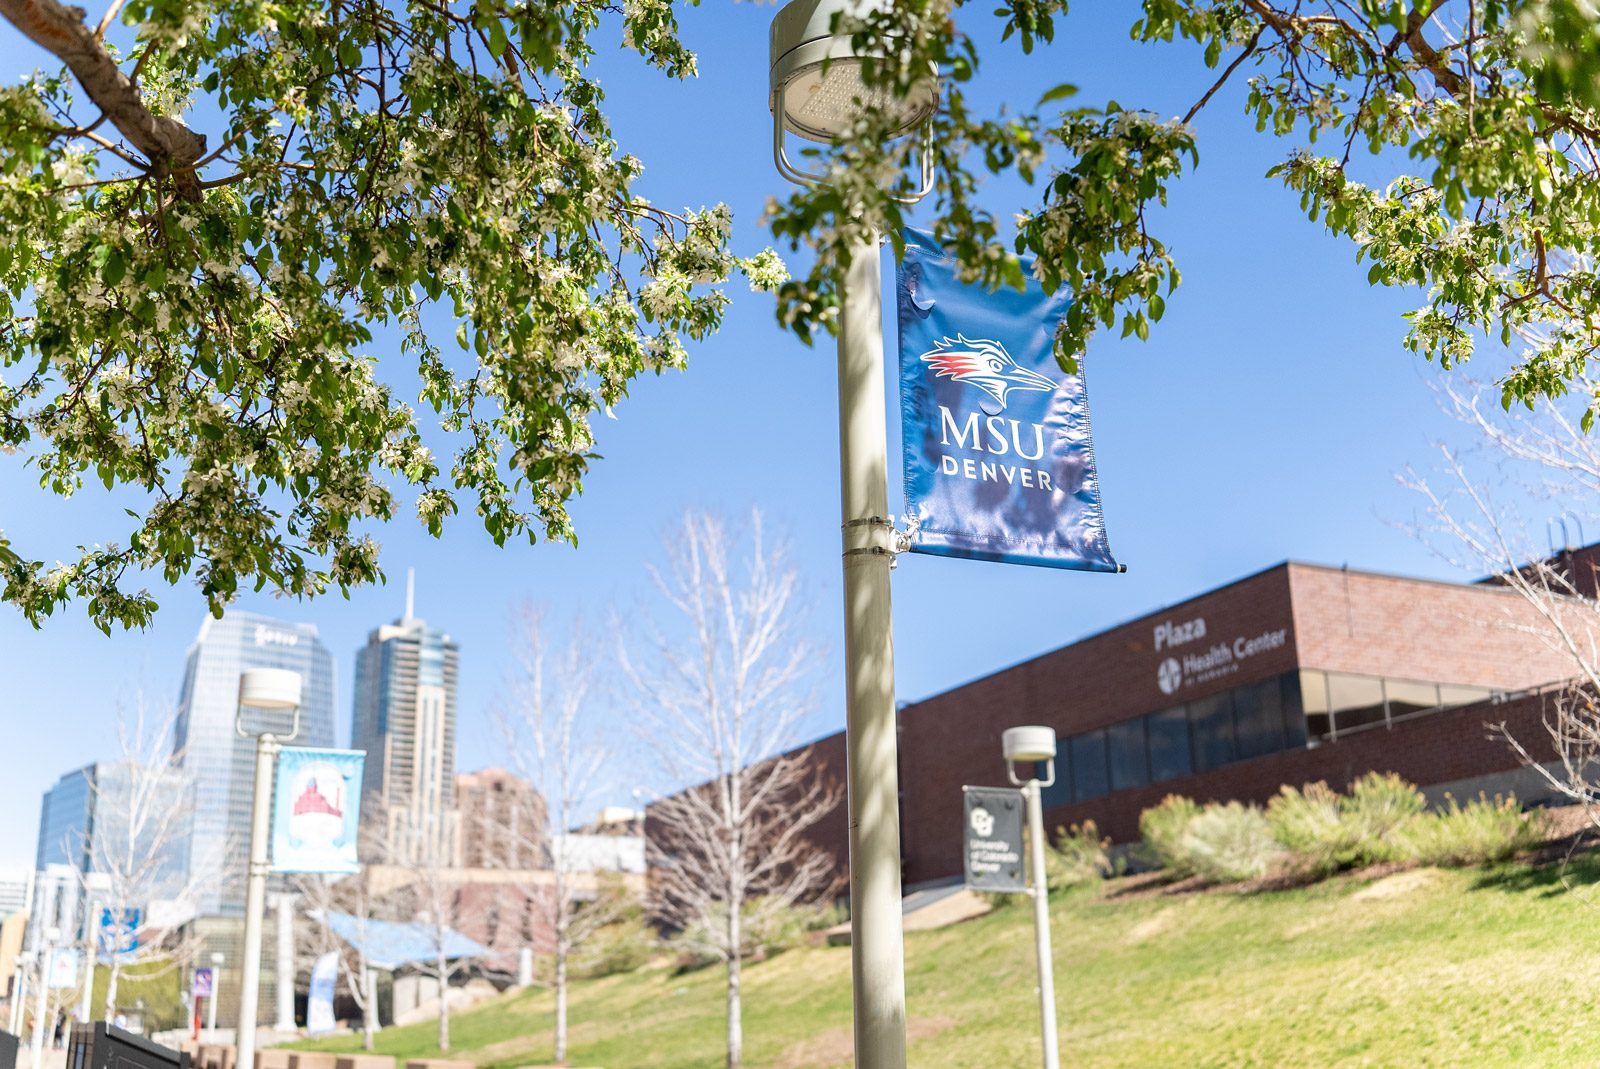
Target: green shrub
{"x":1482,"y":832}
{"x":1380,"y":805}
{"x":1315,"y":828}
{"x":1161,"y":830}
{"x":1079,"y":856}
{"x":768,"y":927}
{"x":621,"y":946}
{"x":1229,"y":843}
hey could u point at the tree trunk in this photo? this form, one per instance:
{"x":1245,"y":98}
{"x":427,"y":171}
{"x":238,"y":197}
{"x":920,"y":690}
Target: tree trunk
{"x":561,"y":1003}
{"x":735,"y":1014}
{"x":111,"y":986}
{"x":444,"y":1006}
{"x":369,"y":1015}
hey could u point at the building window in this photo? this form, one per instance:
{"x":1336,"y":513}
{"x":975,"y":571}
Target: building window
{"x":1058,"y":793}
{"x":1451,"y":694}
{"x":1355,"y":701}
{"x":1168,"y":732}
{"x":1406,"y":698}
{"x":1314,"y":699}
{"x":1089,"y":778}
{"x":1211,"y":726}
{"x":1129,"y":761}
{"x":1258,"y":719}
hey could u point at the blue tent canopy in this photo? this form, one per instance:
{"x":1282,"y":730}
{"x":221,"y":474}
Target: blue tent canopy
{"x":391,"y":944}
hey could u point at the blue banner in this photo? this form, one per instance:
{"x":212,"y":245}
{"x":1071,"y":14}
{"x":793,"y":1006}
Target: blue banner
{"x":999,"y":464}
{"x":317,"y":810}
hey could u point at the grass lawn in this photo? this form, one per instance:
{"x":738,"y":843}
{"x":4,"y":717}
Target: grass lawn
{"x":1419,"y":968}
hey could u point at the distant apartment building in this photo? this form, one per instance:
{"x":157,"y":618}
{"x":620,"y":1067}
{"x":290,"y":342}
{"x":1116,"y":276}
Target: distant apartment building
{"x":16,"y":888}
{"x":219,"y":759}
{"x":500,"y":822}
{"x":404,"y":717}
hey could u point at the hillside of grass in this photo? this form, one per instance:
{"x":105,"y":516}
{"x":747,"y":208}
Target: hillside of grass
{"x":1419,"y":968}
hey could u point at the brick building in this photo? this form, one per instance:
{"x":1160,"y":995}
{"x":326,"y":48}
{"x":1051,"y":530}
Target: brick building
{"x":1295,"y":674}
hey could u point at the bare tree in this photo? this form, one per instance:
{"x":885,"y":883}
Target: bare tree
{"x":429,"y":894}
{"x":549,"y":733}
{"x":720,"y":691}
{"x":324,"y":895}
{"x":1540,"y":454}
{"x":137,"y":865}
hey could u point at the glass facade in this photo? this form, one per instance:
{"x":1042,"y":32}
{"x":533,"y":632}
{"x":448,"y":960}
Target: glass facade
{"x":64,"y":822}
{"x":404,"y":717}
{"x":222,"y":762}
{"x":1339,"y":703}
{"x":1285,"y":712}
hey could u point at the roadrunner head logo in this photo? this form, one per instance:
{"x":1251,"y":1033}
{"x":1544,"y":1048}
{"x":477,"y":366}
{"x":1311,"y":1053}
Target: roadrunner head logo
{"x":985,"y":364}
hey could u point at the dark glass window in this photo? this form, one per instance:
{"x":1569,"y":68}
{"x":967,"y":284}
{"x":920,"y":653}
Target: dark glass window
{"x":1258,"y":719}
{"x":1089,"y":778}
{"x":1406,"y":697}
{"x":1314,"y":699}
{"x":1129,"y":764}
{"x":1168,"y":732}
{"x":1294,"y":717}
{"x":1357,"y":701}
{"x":1211,"y":726}
{"x":1058,"y":793}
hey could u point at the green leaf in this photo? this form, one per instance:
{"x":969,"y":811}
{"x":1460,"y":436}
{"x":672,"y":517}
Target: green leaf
{"x":1060,"y":92}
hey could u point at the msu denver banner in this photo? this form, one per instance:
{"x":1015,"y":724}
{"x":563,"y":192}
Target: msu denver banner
{"x":316,"y":810}
{"x":998,"y":461}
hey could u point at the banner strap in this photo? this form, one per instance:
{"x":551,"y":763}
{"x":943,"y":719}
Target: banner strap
{"x":873,"y":521}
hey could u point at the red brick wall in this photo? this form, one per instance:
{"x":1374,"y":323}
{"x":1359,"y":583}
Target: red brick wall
{"x":1414,"y":629}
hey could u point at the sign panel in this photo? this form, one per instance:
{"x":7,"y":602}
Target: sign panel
{"x":119,"y":933}
{"x":999,"y":463}
{"x":64,"y":968}
{"x":316,"y":810}
{"x":319,"y":1000}
{"x":205,"y":982}
{"x":992,"y":839}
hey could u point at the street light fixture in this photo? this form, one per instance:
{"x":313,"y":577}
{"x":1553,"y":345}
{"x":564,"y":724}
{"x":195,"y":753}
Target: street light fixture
{"x":273,"y":690}
{"x":1030,"y":746}
{"x":817,"y":89}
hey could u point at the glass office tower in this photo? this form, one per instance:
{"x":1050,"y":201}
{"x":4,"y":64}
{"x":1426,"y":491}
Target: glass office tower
{"x":220,"y":760}
{"x":404,"y":717}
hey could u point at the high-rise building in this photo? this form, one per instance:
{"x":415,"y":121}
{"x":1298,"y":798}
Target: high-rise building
{"x":220,"y":760}
{"x":64,"y":821}
{"x":404,"y":717}
{"x":501,"y":822}
{"x":16,"y":888}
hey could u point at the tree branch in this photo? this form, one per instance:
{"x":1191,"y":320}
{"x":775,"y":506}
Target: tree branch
{"x":170,"y":146}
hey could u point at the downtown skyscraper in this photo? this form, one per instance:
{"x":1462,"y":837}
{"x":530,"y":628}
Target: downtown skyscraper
{"x":404,"y":717}
{"x":220,"y":760}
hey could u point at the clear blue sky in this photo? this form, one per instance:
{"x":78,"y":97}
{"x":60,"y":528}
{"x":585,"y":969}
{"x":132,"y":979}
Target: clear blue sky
{"x":1265,"y":419}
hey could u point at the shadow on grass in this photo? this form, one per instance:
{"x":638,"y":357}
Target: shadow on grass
{"x":1549,"y":879}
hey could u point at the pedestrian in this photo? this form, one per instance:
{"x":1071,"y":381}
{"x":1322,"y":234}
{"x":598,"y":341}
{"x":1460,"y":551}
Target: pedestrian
{"x":61,"y":1028}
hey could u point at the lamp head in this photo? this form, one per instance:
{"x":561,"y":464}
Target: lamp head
{"x":1030,"y":743}
{"x":216,"y":957}
{"x":269,"y":688}
{"x":820,"y":104}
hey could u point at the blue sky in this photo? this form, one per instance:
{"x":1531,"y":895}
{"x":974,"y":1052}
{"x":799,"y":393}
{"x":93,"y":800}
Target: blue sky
{"x":1265,"y":419}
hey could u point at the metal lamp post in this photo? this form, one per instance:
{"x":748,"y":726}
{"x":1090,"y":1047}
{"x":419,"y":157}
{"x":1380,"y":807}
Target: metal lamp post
{"x":270,"y":689}
{"x":817,"y":89}
{"x":211,"y":999}
{"x":1030,"y":745}
{"x":41,"y":1005}
{"x":97,"y":884}
{"x":19,"y":992}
